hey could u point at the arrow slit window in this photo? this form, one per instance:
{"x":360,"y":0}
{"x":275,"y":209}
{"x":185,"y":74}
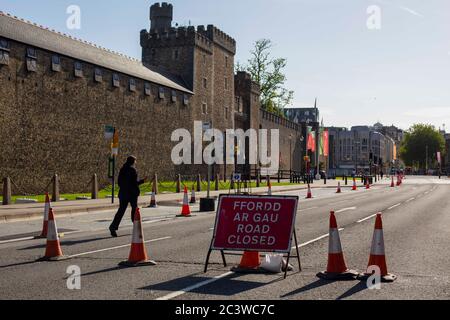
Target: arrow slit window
{"x":4,"y":52}
{"x":31,"y":60}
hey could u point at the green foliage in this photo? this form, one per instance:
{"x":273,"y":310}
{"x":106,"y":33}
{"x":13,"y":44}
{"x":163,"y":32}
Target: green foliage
{"x":414,"y":147}
{"x":268,"y":72}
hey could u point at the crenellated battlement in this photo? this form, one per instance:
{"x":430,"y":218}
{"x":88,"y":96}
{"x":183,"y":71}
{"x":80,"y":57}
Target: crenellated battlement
{"x":175,"y":37}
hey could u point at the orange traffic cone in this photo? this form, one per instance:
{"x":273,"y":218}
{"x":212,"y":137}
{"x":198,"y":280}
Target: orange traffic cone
{"x":53,"y":250}
{"x":377,"y":254}
{"x":398,"y":181}
{"x":153,"y":203}
{"x":45,"y":223}
{"x":186,"y":210}
{"x":336,"y":267}
{"x":138,"y":253}
{"x":339,"y":188}
{"x":309,"y":194}
{"x":367,"y":184}
{"x":392,"y":182}
{"x":250,"y":262}
{"x":354,"y":188}
{"x":269,"y":192}
{"x":193,"y":200}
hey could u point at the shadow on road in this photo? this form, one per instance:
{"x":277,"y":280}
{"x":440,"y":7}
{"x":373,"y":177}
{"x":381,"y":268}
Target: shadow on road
{"x":227,"y":286}
{"x":360,"y":286}
{"x":317,"y":284}
{"x":69,"y":242}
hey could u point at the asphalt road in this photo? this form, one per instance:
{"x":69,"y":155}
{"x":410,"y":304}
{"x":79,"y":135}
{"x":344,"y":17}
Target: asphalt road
{"x":416,"y":220}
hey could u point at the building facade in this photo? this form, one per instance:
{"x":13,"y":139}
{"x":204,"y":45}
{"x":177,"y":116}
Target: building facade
{"x":57,"y":93}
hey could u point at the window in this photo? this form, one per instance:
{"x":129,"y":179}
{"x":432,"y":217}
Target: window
{"x":31,"y":53}
{"x":205,"y":83}
{"x":98,"y":75}
{"x":78,"y":69}
{"x":56,"y":63}
{"x":161,"y":93}
{"x":226,"y":83}
{"x":147,"y":89}
{"x":204,"y":58}
{"x":4,"y":52}
{"x":132,"y":85}
{"x":226,"y":112}
{"x":204,"y":108}
{"x":116,"y":80}
{"x":174,"y":96}
{"x":185,"y":99}
{"x":31,"y":59}
{"x":226,"y":61}
{"x":4,"y":44}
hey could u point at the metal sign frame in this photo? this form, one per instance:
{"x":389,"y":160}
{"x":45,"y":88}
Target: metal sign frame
{"x":287,"y":253}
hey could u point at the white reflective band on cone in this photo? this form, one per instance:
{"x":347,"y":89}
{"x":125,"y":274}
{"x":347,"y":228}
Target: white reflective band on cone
{"x":378,"y":243}
{"x":52,"y":234}
{"x":185,"y":199}
{"x":334,"y":243}
{"x":137,"y":233}
{"x":46,"y":210}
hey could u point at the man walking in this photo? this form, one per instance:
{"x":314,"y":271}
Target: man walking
{"x":128,"y":193}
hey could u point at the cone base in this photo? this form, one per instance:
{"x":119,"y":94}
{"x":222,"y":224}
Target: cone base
{"x":137,"y":264}
{"x":343,"y":276}
{"x":52,"y":259}
{"x":385,"y":279}
{"x":259,"y":270}
{"x":192,"y":202}
{"x":184,"y":216}
{"x":152,"y":206}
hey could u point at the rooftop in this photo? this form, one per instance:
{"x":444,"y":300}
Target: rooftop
{"x":29,"y":33}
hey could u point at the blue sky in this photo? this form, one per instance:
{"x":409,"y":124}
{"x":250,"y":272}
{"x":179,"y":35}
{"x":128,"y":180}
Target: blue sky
{"x":399,"y":74}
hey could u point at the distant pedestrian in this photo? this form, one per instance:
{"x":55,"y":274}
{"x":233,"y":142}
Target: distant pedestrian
{"x":128,"y":193}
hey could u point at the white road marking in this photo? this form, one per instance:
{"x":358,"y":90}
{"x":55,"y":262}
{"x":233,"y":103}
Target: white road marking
{"x":114,"y":248}
{"x":17,"y":240}
{"x":346,"y":209}
{"x":395,"y":206}
{"x":195,"y":286}
{"x":368,"y":218}
{"x":409,"y":200}
{"x":307,"y":209}
{"x":209,"y":281}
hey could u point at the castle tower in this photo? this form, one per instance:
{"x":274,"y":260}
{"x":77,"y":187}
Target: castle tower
{"x":161,"y":16}
{"x":202,"y":58}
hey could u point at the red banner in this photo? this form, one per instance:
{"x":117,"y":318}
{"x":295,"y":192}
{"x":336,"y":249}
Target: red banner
{"x":325,"y":142}
{"x":255,"y":223}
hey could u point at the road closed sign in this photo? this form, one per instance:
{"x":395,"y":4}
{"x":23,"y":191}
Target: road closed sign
{"x":255,"y":223}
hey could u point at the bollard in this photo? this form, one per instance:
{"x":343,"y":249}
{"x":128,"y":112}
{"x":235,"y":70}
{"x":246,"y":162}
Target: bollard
{"x":178,"y":183}
{"x":346,"y":180}
{"x":155,"y":184}
{"x":268,"y":180}
{"x":55,"y":191}
{"x":6,"y":191}
{"x":199,"y":183}
{"x":94,"y":191}
{"x":258,"y":180}
{"x":279,"y":176}
{"x":325,"y":180}
{"x":216,"y":187}
{"x":232,"y":182}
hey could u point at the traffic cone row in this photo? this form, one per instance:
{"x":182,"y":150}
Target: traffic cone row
{"x":193,"y":199}
{"x":47,"y":205}
{"x":354,"y":188}
{"x":185,"y":210}
{"x":337,"y":268}
{"x":53,"y":251}
{"x":138,"y":254}
{"x":309,"y":194}
{"x":339,"y":188}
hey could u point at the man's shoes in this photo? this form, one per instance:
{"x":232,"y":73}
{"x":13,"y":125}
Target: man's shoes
{"x":113,"y":232}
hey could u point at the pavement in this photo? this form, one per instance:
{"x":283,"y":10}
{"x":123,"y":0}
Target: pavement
{"x":416,"y":224}
{"x":17,"y":212}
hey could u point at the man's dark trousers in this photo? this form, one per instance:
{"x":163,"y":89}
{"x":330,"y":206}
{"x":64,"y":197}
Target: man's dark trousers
{"x":122,"y":208}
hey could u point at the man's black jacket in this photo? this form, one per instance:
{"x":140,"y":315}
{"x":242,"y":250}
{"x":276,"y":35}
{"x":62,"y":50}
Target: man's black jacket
{"x":129,"y":183}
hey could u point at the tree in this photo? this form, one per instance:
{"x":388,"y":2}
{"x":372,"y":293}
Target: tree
{"x":268,"y":73}
{"x":417,"y":140}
